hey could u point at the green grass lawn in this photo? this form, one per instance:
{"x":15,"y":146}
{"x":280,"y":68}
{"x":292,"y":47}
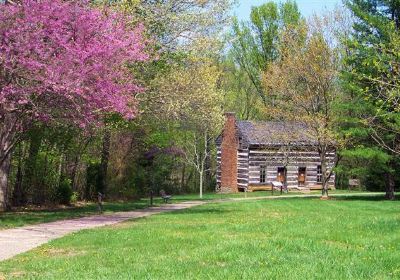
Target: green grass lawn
{"x":27,"y":217}
{"x":352,"y":238}
{"x":213,"y":195}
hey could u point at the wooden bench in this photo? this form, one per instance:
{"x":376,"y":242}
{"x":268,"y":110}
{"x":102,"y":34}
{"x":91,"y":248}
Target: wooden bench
{"x":259,"y":187}
{"x":164,"y":196}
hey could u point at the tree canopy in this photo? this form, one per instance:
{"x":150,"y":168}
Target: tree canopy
{"x":63,"y":61}
{"x":372,"y":74}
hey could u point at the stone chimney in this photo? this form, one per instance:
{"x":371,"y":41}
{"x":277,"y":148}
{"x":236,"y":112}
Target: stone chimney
{"x":229,"y":148}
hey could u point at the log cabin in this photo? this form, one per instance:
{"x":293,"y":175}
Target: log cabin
{"x":255,"y":155}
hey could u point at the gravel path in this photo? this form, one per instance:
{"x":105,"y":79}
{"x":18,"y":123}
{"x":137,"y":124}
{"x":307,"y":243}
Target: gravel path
{"x":19,"y":240}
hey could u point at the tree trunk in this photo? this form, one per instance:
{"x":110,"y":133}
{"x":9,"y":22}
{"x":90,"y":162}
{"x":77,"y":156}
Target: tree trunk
{"x":105,"y":155}
{"x":74,"y":173}
{"x":208,"y":175}
{"x":60,"y":174}
{"x":75,"y":169}
{"x":31,"y":179}
{"x":4,"y":173}
{"x":183,"y":175}
{"x":390,"y":183}
{"x":201,"y":183}
{"x":8,"y":129}
{"x":390,"y":186}
{"x":324,"y":177}
{"x":19,"y":195}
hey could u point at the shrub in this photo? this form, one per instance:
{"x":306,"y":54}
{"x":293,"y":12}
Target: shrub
{"x":64,"y":192}
{"x":74,"y":197}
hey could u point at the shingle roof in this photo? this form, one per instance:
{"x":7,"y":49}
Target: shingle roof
{"x":274,"y":133}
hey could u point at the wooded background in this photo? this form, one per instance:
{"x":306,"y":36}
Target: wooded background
{"x":338,"y":73}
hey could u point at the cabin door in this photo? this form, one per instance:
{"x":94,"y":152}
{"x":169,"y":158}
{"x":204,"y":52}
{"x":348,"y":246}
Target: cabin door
{"x":281,"y":177}
{"x":302,"y":176}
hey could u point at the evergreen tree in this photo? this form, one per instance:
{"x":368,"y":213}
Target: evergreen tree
{"x":372,"y":75}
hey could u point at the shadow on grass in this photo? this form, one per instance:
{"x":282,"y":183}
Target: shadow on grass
{"x":125,"y":206}
{"x":21,"y":217}
{"x":198,"y":210}
{"x":180,"y":199}
{"x":365,"y":198}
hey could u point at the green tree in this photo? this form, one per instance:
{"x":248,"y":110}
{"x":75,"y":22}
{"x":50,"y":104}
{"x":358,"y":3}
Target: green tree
{"x":255,"y":44}
{"x":303,"y":85}
{"x":175,"y":24}
{"x":239,"y":95}
{"x":188,"y":40}
{"x":191,"y":97}
{"x":372,"y":72}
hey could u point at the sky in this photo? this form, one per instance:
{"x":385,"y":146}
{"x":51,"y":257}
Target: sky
{"x":307,"y":7}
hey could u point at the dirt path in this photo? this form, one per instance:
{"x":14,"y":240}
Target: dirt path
{"x":19,"y":240}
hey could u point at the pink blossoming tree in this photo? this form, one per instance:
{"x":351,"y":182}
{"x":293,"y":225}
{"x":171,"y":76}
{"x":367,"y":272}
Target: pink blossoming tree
{"x":63,"y":61}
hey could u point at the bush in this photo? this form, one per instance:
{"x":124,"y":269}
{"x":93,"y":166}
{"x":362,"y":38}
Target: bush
{"x":74,"y":197}
{"x":64,"y":192}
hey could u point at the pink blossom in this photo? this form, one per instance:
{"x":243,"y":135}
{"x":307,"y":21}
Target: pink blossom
{"x":64,"y":59}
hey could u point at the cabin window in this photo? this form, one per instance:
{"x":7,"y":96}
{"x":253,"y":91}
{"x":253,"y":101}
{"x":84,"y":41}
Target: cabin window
{"x":319,"y":174}
{"x":302,"y":175}
{"x":262,"y":174}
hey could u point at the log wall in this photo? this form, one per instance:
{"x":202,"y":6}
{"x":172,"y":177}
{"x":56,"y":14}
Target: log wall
{"x":293,"y":160}
{"x":250,"y":160}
